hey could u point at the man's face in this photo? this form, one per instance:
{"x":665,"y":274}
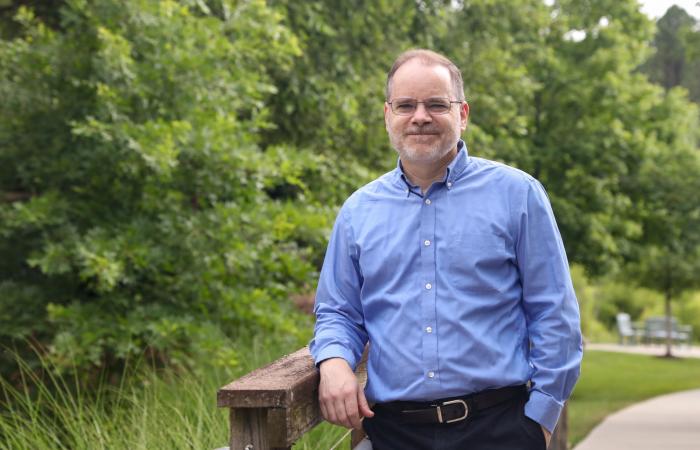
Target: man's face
{"x":422,"y":137}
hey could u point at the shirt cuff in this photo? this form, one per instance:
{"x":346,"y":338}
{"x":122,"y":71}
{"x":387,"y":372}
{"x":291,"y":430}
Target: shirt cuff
{"x":543,"y":409}
{"x":336,"y":351}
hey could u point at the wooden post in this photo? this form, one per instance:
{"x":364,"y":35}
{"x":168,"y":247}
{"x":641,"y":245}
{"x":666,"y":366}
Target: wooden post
{"x":249,"y":429}
{"x":273,"y":406}
{"x":561,"y":432}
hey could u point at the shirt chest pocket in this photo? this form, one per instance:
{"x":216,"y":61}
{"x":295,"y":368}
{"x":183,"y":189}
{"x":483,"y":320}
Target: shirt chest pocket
{"x":477,"y":262}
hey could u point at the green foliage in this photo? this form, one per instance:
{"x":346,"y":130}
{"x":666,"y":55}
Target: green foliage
{"x":620,"y":296}
{"x":160,"y":410}
{"x":587,"y":295}
{"x":688,"y":312}
{"x":676,"y":61}
{"x":667,"y":189}
{"x":153,"y":218}
{"x":668,"y":202}
{"x":169,"y":170}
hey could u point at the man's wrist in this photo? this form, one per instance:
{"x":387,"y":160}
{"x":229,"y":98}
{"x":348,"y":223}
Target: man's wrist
{"x":334,"y":361}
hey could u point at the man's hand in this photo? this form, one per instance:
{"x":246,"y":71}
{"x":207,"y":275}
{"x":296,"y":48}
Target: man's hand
{"x":547,"y":436}
{"x":342,"y":400}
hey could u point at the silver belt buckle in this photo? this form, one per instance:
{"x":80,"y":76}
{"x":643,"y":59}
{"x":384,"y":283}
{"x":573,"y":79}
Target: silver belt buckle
{"x":439,"y":411}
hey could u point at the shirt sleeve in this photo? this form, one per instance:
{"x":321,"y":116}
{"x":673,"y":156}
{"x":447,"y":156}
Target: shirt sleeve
{"x":339,"y":330}
{"x":551,"y":309}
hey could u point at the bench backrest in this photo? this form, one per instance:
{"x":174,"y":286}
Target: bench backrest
{"x":624,"y":324}
{"x":659,"y":324}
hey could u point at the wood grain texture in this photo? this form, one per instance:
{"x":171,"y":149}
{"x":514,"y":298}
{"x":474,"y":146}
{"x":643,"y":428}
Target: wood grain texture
{"x":277,"y":385}
{"x":561,"y":432}
{"x":249,"y":429}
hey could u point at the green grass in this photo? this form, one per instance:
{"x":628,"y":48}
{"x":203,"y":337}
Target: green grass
{"x":153,"y":410}
{"x":611,"y":381}
{"x":147,"y":410}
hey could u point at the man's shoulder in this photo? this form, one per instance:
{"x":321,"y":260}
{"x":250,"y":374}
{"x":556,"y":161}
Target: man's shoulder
{"x":380,"y":188}
{"x":497,"y":171}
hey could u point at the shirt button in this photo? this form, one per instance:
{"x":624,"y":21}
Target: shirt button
{"x":428,"y":329}
{"x":449,"y":184}
{"x":426,"y":243}
{"x":427,"y":201}
{"x":431,"y":374}
{"x":428,"y":286}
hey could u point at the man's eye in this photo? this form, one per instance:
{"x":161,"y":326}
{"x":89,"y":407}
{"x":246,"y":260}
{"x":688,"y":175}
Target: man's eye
{"x":405,"y":106}
{"x":438,"y":106}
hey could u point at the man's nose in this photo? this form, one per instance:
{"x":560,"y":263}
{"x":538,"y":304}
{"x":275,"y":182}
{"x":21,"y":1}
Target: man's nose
{"x":421,"y":114}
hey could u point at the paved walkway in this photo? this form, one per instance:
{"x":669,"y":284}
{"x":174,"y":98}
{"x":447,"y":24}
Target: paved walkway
{"x":682,"y":351}
{"x":668,"y":422}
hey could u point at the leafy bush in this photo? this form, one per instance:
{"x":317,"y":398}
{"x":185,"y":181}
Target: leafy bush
{"x":688,"y":312}
{"x":587,"y":294}
{"x":142,"y":211}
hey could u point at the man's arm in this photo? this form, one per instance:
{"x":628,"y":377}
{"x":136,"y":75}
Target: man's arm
{"x":339,"y":335}
{"x":551,"y":309}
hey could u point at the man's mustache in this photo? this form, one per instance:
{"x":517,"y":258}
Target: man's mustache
{"x":423,"y":130}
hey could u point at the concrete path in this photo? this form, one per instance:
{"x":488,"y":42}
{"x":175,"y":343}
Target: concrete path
{"x":668,"y":422}
{"x":682,"y":351}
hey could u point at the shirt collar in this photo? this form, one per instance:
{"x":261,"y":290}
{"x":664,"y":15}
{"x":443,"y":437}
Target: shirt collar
{"x":454,"y":169}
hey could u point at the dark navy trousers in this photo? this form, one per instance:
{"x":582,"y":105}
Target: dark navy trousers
{"x":501,"y":427}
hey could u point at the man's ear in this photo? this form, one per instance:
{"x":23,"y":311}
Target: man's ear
{"x":463,"y":114}
{"x":387,"y":111}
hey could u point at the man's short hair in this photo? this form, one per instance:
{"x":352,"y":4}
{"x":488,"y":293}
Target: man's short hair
{"x":430,"y":58}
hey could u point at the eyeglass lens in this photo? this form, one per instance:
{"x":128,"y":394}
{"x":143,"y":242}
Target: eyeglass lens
{"x":407,"y":106}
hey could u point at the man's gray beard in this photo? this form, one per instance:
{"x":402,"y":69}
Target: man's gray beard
{"x":413,"y":155}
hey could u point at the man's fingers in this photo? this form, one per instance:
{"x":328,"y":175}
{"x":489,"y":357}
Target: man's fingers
{"x":324,"y":411}
{"x":331,"y":415}
{"x":351,"y":408}
{"x":363,"y":405}
{"x":341,"y":413}
{"x":547,"y":435}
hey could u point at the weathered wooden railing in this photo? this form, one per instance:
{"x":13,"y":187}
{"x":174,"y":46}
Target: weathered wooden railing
{"x":273,"y":406}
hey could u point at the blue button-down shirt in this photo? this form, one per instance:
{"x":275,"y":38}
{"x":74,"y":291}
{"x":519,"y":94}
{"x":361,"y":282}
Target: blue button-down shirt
{"x":459,"y":290}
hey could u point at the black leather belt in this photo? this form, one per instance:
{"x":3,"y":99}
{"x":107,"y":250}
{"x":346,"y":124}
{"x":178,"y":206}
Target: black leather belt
{"x":451,"y":409}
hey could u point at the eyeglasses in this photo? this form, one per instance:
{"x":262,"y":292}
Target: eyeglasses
{"x":407,"y":106}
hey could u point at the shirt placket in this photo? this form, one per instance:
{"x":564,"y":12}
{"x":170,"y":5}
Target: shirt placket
{"x":429,"y":290}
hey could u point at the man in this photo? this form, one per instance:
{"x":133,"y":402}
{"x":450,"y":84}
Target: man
{"x":452,"y":267}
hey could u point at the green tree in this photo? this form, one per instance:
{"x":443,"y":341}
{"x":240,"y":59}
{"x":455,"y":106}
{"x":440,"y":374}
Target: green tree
{"x":669,"y":260}
{"x":140,"y":209}
{"x":668,"y":257}
{"x":676,"y":60}
{"x":554,"y":91}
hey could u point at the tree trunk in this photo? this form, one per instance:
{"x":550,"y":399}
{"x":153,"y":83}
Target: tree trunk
{"x":669,"y":340}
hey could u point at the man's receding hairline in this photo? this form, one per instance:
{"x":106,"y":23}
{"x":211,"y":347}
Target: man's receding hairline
{"x":427,"y":58}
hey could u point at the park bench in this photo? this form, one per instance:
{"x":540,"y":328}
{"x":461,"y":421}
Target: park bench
{"x":655,"y":331}
{"x":273,"y":406}
{"x":629,"y":333}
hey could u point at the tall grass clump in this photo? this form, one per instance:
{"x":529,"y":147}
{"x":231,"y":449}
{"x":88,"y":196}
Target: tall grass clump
{"x":146,"y":408}
{"x":142,"y":408}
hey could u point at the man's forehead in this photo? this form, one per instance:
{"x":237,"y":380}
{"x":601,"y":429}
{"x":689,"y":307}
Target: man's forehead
{"x":417,"y":75}
{"x":418,"y":66}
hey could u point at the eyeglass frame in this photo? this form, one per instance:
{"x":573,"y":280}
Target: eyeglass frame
{"x":450,"y":102}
